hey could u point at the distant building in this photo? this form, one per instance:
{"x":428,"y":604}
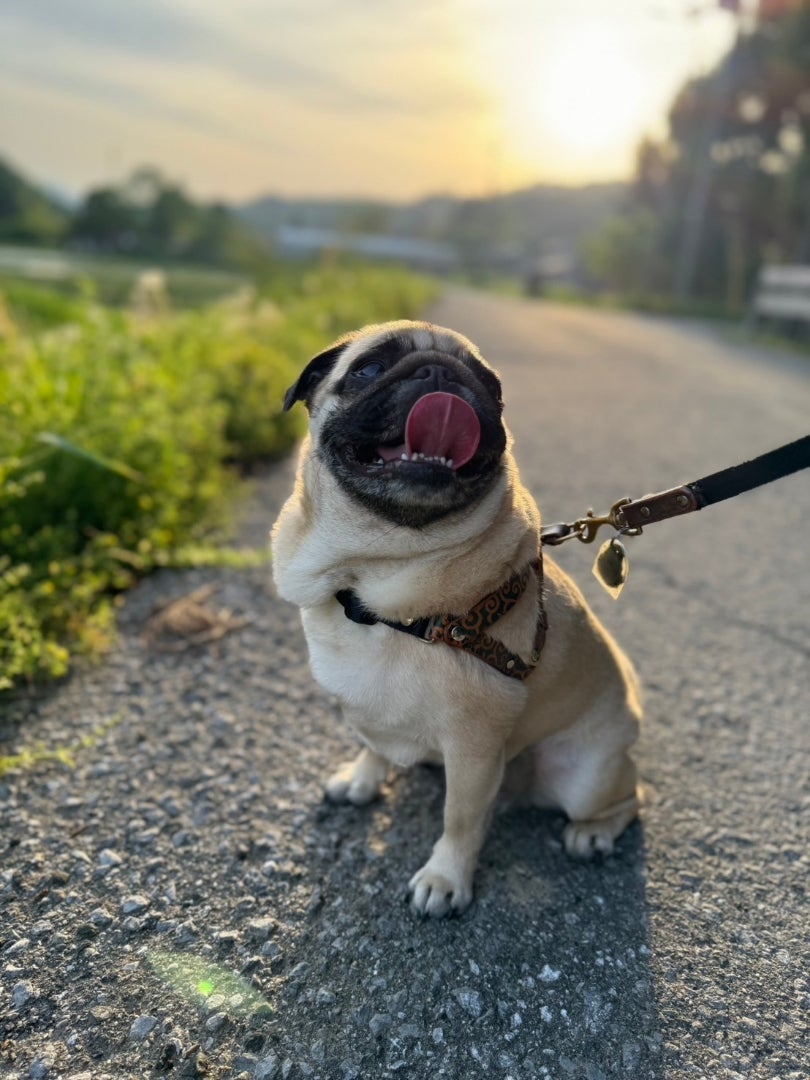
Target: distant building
{"x":303,"y":240}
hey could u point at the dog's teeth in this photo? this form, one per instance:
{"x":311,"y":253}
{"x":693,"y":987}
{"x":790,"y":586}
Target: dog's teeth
{"x":449,"y":463}
{"x":443,"y":460}
{"x":405,"y":457}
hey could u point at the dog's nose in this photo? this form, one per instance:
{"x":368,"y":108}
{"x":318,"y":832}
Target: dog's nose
{"x":435,"y":376}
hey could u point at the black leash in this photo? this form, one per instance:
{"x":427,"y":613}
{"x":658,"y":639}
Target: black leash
{"x":629,"y":516}
{"x":753,"y":474}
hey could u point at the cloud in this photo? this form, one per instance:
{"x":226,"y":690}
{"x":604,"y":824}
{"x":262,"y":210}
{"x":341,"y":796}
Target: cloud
{"x":336,"y":62}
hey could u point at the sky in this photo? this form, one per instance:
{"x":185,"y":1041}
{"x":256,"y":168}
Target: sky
{"x":389,"y":99}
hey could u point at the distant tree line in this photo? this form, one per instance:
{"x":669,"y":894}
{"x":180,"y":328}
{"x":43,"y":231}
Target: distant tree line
{"x":729,"y":188}
{"x":146,"y":216}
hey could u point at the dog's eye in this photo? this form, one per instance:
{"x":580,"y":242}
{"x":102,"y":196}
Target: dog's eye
{"x":369,"y":371}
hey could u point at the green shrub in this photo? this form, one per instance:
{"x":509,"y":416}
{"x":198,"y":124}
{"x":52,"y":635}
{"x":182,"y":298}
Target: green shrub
{"x":120,"y":439}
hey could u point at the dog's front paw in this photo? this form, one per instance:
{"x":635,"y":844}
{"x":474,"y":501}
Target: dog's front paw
{"x":440,"y":889}
{"x":357,"y":781}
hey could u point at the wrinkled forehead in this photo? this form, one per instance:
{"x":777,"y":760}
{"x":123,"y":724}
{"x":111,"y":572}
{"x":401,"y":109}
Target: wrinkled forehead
{"x":395,"y":340}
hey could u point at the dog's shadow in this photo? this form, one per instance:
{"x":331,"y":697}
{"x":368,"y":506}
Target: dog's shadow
{"x":559,"y":947}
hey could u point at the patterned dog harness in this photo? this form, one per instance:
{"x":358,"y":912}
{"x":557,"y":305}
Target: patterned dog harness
{"x":469,"y":631}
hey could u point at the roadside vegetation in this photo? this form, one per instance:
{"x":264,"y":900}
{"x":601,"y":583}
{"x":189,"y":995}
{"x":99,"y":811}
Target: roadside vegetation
{"x":124,"y":431}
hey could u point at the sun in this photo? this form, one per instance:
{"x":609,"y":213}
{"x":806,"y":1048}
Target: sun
{"x":574,"y":102}
{"x":589,"y":94}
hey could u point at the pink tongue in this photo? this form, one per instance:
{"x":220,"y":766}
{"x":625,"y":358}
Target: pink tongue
{"x":443,"y":425}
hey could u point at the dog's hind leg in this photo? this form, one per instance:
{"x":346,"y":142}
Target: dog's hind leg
{"x":358,"y":781}
{"x":597,"y":833}
{"x":600,"y":797}
{"x":595,"y":785}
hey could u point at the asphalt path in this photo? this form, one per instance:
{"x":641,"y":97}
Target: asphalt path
{"x":180,"y":901}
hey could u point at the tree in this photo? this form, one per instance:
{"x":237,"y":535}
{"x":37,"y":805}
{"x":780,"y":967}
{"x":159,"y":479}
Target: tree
{"x":148,"y":215}
{"x":26,"y":215}
{"x":742,"y":131}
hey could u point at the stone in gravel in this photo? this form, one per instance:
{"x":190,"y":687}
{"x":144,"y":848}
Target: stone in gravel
{"x":186,"y":933}
{"x":380,"y":1023}
{"x":40,"y":1068}
{"x":272,"y":949}
{"x":244,"y":1063}
{"x":135,"y":905}
{"x":318,"y":1051}
{"x":101,"y":918}
{"x":267,"y":1068}
{"x":18,"y":947}
{"x":548,"y":975}
{"x":260,"y":929}
{"x":469,"y":1000}
{"x":215,"y":1022}
{"x":325,"y":997}
{"x":142,"y":1026}
{"x":108,"y":857}
{"x":226,"y":939}
{"x":22,"y":994}
{"x":133,"y":925}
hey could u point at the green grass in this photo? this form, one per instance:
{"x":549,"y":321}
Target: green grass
{"x":122,"y":438}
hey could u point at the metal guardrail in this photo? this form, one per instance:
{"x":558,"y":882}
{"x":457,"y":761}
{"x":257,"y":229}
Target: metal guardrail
{"x":782,"y":292}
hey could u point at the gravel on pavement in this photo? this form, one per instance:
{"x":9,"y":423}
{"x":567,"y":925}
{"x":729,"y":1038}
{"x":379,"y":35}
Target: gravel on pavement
{"x":178,"y":900}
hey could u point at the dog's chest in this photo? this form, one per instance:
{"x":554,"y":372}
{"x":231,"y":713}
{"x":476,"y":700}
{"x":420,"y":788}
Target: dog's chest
{"x":395,"y":689}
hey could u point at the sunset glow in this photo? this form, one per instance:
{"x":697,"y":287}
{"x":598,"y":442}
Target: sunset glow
{"x":327,"y":98}
{"x":590,"y":94}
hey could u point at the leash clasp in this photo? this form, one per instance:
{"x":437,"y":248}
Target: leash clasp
{"x":586,"y":528}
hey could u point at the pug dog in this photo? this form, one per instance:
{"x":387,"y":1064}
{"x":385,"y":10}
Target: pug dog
{"x":413,"y":551}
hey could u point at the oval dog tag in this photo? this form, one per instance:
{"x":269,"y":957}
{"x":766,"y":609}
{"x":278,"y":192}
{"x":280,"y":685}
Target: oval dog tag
{"x":612,"y":566}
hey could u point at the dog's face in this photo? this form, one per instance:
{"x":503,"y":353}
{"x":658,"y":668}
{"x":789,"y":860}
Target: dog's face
{"x":407,"y":418}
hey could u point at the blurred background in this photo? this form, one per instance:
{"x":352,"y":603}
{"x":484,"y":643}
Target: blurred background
{"x":655,"y":151}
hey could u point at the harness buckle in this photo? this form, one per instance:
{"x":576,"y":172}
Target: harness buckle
{"x":426,"y":632}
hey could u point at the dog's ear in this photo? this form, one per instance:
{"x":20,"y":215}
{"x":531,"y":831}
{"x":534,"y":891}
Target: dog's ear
{"x":316,"y":370}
